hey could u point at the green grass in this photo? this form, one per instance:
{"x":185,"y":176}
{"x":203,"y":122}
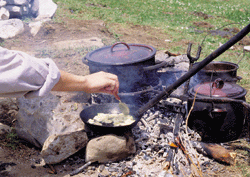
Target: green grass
{"x":175,"y":17}
{"x":161,"y":13}
{"x":10,"y":140}
{"x":171,"y":15}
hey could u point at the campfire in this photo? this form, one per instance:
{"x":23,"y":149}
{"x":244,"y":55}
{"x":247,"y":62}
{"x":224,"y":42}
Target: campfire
{"x":166,"y":136}
{"x":172,"y":113}
{"x":164,"y":143}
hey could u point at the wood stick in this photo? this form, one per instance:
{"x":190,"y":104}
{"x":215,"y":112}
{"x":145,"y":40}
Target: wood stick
{"x":143,"y":121}
{"x":78,"y":170}
{"x":215,"y":151}
{"x":53,"y":171}
{"x":171,"y":54}
{"x":189,"y":158}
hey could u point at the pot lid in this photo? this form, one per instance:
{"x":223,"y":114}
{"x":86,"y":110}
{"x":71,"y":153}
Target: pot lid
{"x":121,"y":53}
{"x":218,"y":88}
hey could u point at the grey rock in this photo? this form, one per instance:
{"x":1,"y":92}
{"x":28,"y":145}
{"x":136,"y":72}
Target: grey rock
{"x":35,"y":117}
{"x":34,"y":9}
{"x":4,"y":129}
{"x":18,"y":2}
{"x":2,"y":3}
{"x":40,"y":118}
{"x":35,"y":27}
{"x":109,"y":148}
{"x":4,"y":14}
{"x":57,"y":148}
{"x":10,"y":28}
{"x":53,"y":124}
{"x":46,"y":9}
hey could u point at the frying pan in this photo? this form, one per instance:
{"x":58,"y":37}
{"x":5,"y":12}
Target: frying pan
{"x":108,"y":108}
{"x":91,"y":111}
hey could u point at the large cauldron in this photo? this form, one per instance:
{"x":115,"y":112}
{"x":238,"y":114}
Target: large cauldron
{"x":134,"y":64}
{"x":217,"y":120}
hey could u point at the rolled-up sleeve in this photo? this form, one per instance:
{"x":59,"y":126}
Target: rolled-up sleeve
{"x":24,"y":75}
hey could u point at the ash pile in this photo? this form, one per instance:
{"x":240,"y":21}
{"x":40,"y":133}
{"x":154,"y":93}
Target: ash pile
{"x":165,"y":146}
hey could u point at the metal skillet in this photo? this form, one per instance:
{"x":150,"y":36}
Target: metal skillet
{"x":91,"y":111}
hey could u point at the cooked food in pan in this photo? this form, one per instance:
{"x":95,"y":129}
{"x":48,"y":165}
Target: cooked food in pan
{"x":112,"y":120}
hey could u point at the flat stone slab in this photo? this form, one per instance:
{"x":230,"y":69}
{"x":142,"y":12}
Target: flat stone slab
{"x":71,"y":44}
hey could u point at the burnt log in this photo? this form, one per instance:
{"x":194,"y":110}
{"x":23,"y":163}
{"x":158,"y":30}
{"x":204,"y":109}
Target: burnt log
{"x":215,"y":151}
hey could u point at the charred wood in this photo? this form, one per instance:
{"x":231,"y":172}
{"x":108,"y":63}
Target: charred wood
{"x":215,"y":151}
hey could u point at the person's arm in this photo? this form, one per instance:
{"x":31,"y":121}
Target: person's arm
{"x":25,"y":75}
{"x":100,"y":82}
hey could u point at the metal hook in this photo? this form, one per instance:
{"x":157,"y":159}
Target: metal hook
{"x":191,"y":62}
{"x":192,"y":59}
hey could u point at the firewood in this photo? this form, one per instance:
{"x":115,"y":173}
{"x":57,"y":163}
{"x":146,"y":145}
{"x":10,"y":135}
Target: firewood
{"x":52,"y":169}
{"x":216,"y":152}
{"x":172,"y":54}
{"x":80,"y":169}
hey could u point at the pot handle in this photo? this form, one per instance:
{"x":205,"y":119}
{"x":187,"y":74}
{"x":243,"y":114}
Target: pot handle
{"x":157,"y":66}
{"x":85,"y":61}
{"x":119,"y":43}
{"x":235,"y":79}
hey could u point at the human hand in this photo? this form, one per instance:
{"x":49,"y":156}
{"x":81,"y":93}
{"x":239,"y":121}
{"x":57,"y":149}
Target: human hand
{"x":102,"y":82}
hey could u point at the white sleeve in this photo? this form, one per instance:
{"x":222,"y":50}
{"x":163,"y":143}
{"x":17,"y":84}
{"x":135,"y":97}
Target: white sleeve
{"x":24,"y":75}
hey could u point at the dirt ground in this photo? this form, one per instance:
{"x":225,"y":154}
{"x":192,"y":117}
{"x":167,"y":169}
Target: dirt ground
{"x":24,"y":160}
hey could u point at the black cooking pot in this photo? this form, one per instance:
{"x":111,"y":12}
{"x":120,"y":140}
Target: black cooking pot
{"x":226,"y":71}
{"x":108,"y":108}
{"x":217,"y":120}
{"x":134,"y":64}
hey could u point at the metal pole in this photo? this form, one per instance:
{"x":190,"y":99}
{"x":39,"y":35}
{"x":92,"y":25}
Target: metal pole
{"x":193,"y":71}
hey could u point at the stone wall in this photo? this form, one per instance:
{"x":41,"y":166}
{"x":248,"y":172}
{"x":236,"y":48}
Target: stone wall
{"x":13,"y":11}
{"x":26,"y":8}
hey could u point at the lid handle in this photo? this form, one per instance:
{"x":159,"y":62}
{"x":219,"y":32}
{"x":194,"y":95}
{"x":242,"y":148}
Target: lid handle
{"x":218,"y":83}
{"x":119,"y":43}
